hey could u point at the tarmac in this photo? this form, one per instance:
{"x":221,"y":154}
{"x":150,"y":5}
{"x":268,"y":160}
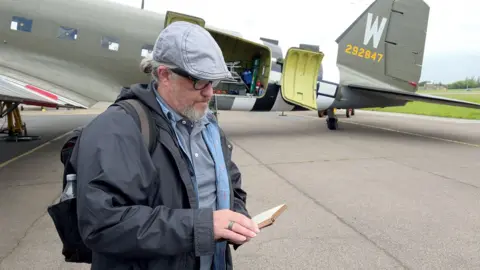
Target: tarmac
{"x":385,"y":191}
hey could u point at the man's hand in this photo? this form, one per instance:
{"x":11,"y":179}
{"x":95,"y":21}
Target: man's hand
{"x":243,"y":228}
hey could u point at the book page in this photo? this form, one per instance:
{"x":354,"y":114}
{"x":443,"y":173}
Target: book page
{"x":266,"y":215}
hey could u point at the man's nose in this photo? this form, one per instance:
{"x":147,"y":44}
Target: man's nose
{"x":208,"y":91}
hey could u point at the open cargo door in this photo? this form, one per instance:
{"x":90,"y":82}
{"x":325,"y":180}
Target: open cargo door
{"x":172,"y":16}
{"x":299,"y":77}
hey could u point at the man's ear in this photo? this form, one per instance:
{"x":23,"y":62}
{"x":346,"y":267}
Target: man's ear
{"x":163,"y":74}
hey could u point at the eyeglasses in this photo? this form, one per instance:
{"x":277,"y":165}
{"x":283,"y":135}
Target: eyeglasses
{"x":198,"y":84}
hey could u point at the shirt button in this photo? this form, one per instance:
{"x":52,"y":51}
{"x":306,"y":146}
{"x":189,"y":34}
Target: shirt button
{"x":183,"y":122}
{"x":196,"y":154}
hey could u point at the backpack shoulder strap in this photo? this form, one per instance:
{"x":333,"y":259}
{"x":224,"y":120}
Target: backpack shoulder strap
{"x":142,"y":116}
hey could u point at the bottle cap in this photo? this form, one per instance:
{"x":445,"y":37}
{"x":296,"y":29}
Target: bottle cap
{"x":71,"y":177}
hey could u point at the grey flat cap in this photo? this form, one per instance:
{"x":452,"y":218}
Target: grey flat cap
{"x":191,"y":48}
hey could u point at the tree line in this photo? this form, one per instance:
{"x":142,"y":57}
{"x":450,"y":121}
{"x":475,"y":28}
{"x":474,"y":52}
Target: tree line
{"x":469,"y":82}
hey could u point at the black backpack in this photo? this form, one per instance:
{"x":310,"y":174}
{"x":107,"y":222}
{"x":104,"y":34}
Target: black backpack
{"x":64,"y":213}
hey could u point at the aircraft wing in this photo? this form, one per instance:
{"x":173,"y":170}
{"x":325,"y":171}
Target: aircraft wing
{"x":410,"y":96}
{"x":16,"y":91}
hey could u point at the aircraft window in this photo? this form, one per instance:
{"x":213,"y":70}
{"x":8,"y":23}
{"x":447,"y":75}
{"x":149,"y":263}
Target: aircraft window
{"x":146,"y":49}
{"x":276,"y":67}
{"x":67,"y":33}
{"x":110,"y":43}
{"x":21,"y":24}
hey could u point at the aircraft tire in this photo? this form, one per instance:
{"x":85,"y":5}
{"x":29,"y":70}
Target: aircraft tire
{"x":332,"y":123}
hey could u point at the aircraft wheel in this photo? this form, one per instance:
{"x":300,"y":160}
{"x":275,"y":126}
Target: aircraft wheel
{"x":332,"y":123}
{"x":347,"y":113}
{"x":353,"y":112}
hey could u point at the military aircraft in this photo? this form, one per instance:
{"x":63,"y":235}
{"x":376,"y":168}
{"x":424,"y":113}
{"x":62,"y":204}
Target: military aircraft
{"x":76,"y":53}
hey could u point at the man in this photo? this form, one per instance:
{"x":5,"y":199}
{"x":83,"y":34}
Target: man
{"x":178,"y":208}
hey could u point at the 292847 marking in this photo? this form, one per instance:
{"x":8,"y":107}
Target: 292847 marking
{"x":363,"y":53}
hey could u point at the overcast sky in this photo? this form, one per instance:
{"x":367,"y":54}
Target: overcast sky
{"x":453,"y":41}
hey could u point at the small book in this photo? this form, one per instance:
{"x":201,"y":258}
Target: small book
{"x":268,"y":217}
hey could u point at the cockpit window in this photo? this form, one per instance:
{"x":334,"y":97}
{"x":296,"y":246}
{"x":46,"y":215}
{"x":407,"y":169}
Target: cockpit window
{"x":21,"y":24}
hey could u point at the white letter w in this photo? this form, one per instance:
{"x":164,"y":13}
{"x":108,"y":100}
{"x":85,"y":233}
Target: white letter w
{"x":372,"y":29}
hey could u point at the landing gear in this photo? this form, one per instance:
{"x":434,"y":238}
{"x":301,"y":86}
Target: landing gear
{"x":349,"y":112}
{"x":215,"y":114}
{"x":16,"y":130}
{"x":332,"y":121}
{"x":213,"y":107}
{"x":321,"y":114}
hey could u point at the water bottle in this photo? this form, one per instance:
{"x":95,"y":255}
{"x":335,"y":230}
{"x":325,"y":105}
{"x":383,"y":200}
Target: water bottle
{"x":69,"y":192}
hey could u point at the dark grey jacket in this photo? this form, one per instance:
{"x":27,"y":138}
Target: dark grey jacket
{"x":137,"y":212}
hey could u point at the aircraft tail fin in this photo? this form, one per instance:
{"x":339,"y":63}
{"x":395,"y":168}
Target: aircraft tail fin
{"x":384,"y":46}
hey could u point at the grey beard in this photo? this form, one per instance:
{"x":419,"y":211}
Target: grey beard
{"x":192,"y":114}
